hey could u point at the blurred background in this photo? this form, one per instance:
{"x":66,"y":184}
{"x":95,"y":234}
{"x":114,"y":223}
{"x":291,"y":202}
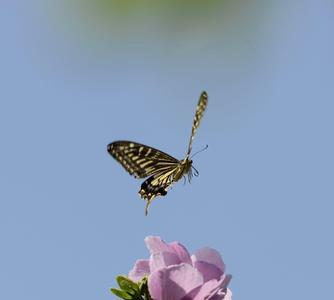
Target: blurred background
{"x":77,"y":75}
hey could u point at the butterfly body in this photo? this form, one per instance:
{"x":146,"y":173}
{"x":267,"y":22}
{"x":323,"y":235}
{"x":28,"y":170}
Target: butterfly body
{"x":162,"y":170}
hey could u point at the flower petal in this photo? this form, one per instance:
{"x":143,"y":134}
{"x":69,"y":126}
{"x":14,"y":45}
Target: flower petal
{"x":209,"y":271}
{"x":140,"y":269}
{"x":174,"y":282}
{"x":181,"y":252}
{"x":213,"y":289}
{"x":224,"y":295}
{"x":228,"y":295}
{"x":210,"y":256}
{"x":155,"y":244}
{"x":162,"y":260}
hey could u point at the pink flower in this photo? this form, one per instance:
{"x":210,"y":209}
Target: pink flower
{"x":175,"y":275}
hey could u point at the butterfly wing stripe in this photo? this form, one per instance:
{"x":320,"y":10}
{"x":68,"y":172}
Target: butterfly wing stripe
{"x":126,"y":162}
{"x":165,"y":177}
{"x":160,"y":170}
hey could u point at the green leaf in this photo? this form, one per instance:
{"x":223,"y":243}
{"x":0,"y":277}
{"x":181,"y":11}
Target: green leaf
{"x":128,"y":285}
{"x":121,"y":294}
{"x":143,"y":286}
{"x":143,"y":283}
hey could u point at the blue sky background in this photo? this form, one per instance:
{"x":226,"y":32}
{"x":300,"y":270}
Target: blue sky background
{"x":76,"y":75}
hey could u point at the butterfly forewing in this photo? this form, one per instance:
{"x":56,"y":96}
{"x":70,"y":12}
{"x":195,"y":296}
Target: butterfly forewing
{"x":141,"y":160}
{"x":201,"y":106}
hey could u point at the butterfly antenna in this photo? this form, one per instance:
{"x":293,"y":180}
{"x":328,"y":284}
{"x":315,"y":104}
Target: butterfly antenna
{"x":199,"y":151}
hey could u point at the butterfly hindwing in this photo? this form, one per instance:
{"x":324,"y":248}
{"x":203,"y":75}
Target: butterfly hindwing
{"x":141,"y":160}
{"x":157,"y":185}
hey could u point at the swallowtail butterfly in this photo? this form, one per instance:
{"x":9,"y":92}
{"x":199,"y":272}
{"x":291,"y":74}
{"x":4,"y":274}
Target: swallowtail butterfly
{"x":162,"y":170}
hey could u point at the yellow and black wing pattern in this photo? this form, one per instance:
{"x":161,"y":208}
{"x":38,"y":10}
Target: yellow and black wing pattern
{"x":201,"y":106}
{"x":142,"y":161}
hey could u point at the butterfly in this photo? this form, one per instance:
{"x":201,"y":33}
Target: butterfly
{"x":162,"y":170}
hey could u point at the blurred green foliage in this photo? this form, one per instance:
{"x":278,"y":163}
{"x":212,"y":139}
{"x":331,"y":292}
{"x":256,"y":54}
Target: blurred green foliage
{"x":126,"y":7}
